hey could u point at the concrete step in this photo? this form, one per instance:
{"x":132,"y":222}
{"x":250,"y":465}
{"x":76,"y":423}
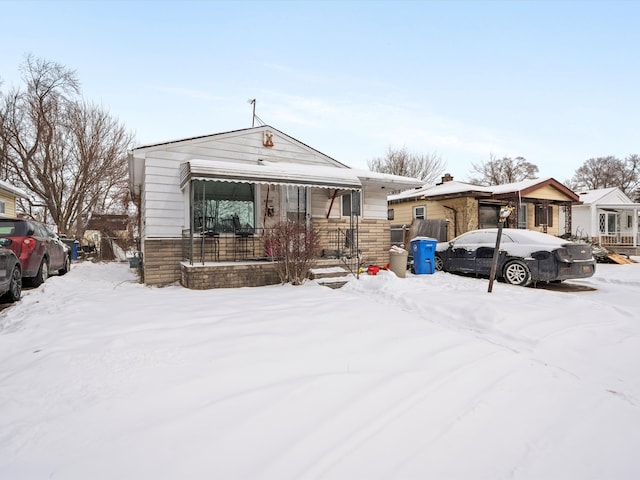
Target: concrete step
{"x":327,"y":272}
{"x":332,"y":277}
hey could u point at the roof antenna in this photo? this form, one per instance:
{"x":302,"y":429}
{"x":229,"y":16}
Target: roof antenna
{"x":255,"y":117}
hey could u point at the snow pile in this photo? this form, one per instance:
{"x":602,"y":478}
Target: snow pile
{"x":423,"y":377}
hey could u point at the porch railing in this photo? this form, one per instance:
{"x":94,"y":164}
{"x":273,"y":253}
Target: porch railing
{"x":202,"y":247}
{"x":618,"y":238}
{"x":344,"y":243}
{"x":340,"y":244}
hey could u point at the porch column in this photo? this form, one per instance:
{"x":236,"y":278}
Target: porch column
{"x":595,"y":223}
{"x":634,"y":224}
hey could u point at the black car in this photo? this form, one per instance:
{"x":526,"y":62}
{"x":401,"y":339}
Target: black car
{"x":10,"y":274}
{"x":525,"y":256}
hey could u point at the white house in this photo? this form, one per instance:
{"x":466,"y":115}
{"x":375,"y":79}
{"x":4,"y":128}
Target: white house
{"x":206,"y":201}
{"x":607,"y":216}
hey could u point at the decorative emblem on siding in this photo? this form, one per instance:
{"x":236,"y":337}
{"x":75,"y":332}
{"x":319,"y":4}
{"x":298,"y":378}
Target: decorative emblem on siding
{"x":267,"y":139}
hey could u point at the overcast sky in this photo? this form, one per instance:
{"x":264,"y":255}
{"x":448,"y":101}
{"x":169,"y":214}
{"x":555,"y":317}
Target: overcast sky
{"x":554,"y":82}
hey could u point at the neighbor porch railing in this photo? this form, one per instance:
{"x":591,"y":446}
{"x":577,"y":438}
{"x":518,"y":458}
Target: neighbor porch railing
{"x":624,"y":239}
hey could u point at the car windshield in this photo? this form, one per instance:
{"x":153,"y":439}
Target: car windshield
{"x":12,"y":227}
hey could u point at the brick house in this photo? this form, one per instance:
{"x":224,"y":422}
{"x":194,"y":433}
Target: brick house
{"x":539,"y":204}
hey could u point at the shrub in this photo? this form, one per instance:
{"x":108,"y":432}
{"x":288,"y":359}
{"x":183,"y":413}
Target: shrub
{"x":294,"y":247}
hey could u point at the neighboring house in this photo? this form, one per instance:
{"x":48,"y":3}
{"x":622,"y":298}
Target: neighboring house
{"x":536,"y":203}
{"x":107,"y":235}
{"x":609,"y":217}
{"x":8,"y":197}
{"x":205,"y":203}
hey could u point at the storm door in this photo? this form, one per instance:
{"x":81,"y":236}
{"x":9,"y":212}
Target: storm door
{"x":295,"y":203}
{"x":489,"y":216}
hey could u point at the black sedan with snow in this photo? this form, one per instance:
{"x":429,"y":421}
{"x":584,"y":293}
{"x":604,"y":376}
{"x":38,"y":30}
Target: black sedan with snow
{"x":525,"y":256}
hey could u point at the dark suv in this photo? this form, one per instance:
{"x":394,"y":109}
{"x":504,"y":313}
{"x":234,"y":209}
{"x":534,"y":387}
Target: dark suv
{"x":39,"y":249}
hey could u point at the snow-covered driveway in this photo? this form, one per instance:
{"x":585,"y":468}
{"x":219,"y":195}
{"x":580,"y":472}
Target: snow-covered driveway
{"x":427,"y":377}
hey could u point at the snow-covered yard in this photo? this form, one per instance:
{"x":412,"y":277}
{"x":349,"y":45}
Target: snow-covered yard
{"x":426,"y":377}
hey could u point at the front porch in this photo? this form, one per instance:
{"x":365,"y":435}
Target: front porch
{"x":619,"y":242}
{"x":242,"y":259}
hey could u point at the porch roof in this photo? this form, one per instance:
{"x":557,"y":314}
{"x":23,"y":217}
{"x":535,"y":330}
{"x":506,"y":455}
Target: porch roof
{"x":289,"y":174}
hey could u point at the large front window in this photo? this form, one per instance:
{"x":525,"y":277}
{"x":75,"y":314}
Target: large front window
{"x":223,"y":206}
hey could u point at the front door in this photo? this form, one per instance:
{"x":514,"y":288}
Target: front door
{"x":609,"y":223}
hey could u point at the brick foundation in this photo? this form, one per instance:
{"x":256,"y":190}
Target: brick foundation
{"x":161,"y":261}
{"x":234,"y":275}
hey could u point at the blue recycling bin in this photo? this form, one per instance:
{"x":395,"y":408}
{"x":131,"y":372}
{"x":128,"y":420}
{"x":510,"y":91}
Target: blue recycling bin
{"x":424,"y":254}
{"x":74,"y":250}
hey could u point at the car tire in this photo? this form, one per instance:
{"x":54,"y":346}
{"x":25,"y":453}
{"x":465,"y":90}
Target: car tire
{"x":516,"y":273}
{"x":43,"y":273}
{"x":66,"y":267}
{"x":15,"y":285}
{"x":439,"y":264}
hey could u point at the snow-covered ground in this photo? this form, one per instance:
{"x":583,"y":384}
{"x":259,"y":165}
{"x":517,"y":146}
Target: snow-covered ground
{"x":425,"y":377}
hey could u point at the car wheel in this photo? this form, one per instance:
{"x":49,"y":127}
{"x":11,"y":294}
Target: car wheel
{"x":66,"y":267}
{"x":42,"y":275}
{"x":439,"y":264}
{"x":15,"y":285}
{"x":517,"y":273}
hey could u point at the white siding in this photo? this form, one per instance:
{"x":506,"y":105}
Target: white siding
{"x":581,"y":221}
{"x":375,"y":203}
{"x":165,"y":207}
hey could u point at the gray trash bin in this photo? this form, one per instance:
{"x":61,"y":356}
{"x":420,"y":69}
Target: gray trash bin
{"x":398,"y":261}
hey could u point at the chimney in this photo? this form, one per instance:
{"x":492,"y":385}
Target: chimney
{"x":447,"y":177}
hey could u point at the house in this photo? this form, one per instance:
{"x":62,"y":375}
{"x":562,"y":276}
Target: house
{"x":608,"y":217}
{"x":8,"y":199}
{"x":537,"y":204}
{"x":107,"y":235}
{"x":205,"y":203}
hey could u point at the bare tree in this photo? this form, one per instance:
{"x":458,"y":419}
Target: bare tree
{"x":69,"y":155}
{"x":606,"y":172}
{"x":498,"y":171}
{"x":426,"y":167}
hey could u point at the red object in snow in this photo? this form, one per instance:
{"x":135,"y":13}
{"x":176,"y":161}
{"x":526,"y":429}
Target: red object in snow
{"x":373,"y":270}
